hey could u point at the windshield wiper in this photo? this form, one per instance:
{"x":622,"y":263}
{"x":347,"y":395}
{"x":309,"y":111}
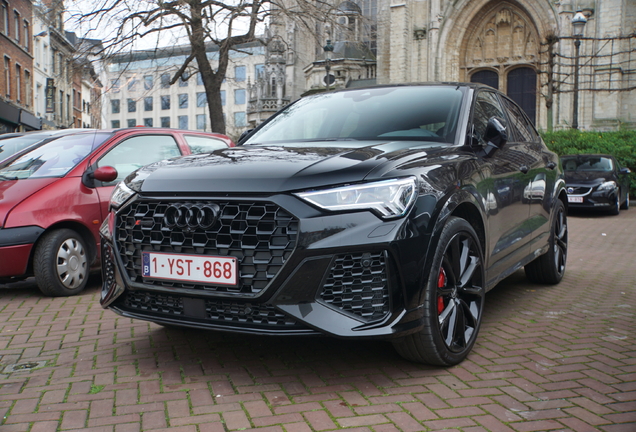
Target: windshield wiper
{"x":4,"y":177}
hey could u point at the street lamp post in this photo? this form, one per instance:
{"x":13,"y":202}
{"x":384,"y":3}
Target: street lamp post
{"x":578,"y":24}
{"x":328,"y":51}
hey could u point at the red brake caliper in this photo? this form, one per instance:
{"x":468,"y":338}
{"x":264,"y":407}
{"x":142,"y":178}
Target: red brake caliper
{"x":441,"y":283}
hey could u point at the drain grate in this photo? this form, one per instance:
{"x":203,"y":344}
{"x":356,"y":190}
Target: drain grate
{"x":26,"y":366}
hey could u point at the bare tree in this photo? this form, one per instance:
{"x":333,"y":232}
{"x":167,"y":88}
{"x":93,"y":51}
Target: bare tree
{"x":223,"y":23}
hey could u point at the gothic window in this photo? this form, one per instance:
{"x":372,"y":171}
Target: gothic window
{"x":522,"y":88}
{"x":486,"y":77}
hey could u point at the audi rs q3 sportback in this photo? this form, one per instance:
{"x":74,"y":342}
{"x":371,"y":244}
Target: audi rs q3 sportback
{"x":54,"y":196}
{"x":384,"y":212}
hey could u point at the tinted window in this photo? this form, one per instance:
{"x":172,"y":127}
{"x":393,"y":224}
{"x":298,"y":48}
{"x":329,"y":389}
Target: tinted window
{"x":405,"y":113}
{"x":202,"y":144}
{"x":486,"y":106}
{"x":55,"y":158}
{"x":587,"y":163}
{"x":521,"y":125}
{"x":138,"y":151}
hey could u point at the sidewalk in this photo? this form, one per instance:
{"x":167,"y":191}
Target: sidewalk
{"x":559,"y":358}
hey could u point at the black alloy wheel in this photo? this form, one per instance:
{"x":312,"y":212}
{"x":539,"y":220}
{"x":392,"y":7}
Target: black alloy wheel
{"x":453,"y":300}
{"x":549,"y":268}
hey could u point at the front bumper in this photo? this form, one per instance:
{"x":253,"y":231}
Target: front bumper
{"x":15,"y":249}
{"x":591,"y":198}
{"x":341,"y":277}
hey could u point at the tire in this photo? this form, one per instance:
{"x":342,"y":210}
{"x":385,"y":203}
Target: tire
{"x":625,"y":205}
{"x":452,"y":300}
{"x":61,"y":263}
{"x":549,"y":268}
{"x":616,"y":208}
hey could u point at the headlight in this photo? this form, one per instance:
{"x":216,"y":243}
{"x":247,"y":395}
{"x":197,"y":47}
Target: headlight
{"x":120,"y":195}
{"x":388,"y":198}
{"x":607,"y":185}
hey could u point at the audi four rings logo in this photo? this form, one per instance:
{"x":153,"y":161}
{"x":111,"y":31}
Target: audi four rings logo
{"x":191,"y":216}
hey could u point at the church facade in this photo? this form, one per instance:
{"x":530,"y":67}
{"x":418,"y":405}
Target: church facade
{"x":525,"y":48}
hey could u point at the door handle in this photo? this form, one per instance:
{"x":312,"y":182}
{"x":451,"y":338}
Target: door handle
{"x":524,"y":169}
{"x":550,"y":165}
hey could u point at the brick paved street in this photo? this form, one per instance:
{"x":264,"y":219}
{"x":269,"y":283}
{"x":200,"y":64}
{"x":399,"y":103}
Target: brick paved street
{"x":548,"y":358}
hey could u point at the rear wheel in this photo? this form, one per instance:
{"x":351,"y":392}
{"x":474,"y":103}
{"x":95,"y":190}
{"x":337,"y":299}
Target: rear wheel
{"x":625,"y":205}
{"x":549,"y":268}
{"x":61,"y":263}
{"x":453,"y":300}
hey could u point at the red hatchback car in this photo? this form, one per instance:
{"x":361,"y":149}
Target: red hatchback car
{"x":54,"y":197}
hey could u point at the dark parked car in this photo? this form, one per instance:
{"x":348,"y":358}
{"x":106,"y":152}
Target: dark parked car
{"x":384,"y":212}
{"x":596,"y":181}
{"x":54,"y":196}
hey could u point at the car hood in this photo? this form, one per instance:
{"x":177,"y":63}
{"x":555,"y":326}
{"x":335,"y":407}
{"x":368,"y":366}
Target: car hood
{"x":266,"y":169}
{"x":13,"y":192}
{"x":587,"y":178}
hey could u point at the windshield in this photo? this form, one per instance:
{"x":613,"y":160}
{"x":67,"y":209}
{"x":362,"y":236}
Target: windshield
{"x":53,"y":159}
{"x":428,"y":113}
{"x":13,"y":145}
{"x":588,"y":163}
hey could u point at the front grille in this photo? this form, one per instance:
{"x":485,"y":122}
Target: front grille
{"x":357,"y":283}
{"x":216,"y":311}
{"x":108,"y":267}
{"x":580,"y":190}
{"x":261,"y":235}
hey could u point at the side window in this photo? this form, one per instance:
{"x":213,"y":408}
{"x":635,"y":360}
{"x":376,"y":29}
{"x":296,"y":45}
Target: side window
{"x":518,"y":122}
{"x":486,"y":106}
{"x":138,"y":151}
{"x":202,"y":144}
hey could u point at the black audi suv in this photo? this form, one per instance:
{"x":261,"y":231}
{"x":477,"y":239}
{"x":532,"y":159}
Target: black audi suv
{"x":384,"y":212}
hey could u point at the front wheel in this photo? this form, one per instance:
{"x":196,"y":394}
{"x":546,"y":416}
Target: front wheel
{"x":453,"y":300}
{"x":61,"y":263}
{"x":549,"y":268}
{"x":616,"y":207}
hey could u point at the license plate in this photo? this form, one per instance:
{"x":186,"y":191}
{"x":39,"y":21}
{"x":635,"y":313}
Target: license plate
{"x":191,"y":268}
{"x":574,"y":199}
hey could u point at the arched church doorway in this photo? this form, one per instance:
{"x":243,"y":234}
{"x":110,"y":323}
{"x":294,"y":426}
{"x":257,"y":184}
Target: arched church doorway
{"x":522,"y":88}
{"x":502,"y":51}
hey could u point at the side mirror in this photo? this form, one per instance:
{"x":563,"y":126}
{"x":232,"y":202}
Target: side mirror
{"x":625,"y":171}
{"x":105,"y":174}
{"x":244,"y":136}
{"x":495,"y":136}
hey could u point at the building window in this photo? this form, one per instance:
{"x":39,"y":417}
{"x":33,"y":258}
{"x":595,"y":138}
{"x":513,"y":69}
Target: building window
{"x":7,"y":75}
{"x":202,"y":99}
{"x":16,"y":26}
{"x":27,"y":35}
{"x":132,"y":105}
{"x":201,"y":121}
{"x":148,"y":82}
{"x":165,"y":122}
{"x":115,"y":124}
{"x":115,"y":83}
{"x":148,"y":103}
{"x":165,"y":102}
{"x":132,"y":84}
{"x":239,"y":96}
{"x":18,"y":83}
{"x":239,"y":73}
{"x":5,"y":18}
{"x":114,"y":106}
{"x":258,"y":70}
{"x":183,"y":80}
{"x":27,"y":86}
{"x":148,"y":122}
{"x":165,"y":80}
{"x":183,"y":122}
{"x":199,"y":79}
{"x":183,"y":100}
{"x":132,"y":122}
{"x":239,"y":119}
{"x":222,"y":97}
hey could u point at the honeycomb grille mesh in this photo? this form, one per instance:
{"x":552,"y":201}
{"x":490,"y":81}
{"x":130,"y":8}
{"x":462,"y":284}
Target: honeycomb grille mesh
{"x":216,"y":311}
{"x":357,"y":283}
{"x":108,"y":267}
{"x":261,"y":235}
